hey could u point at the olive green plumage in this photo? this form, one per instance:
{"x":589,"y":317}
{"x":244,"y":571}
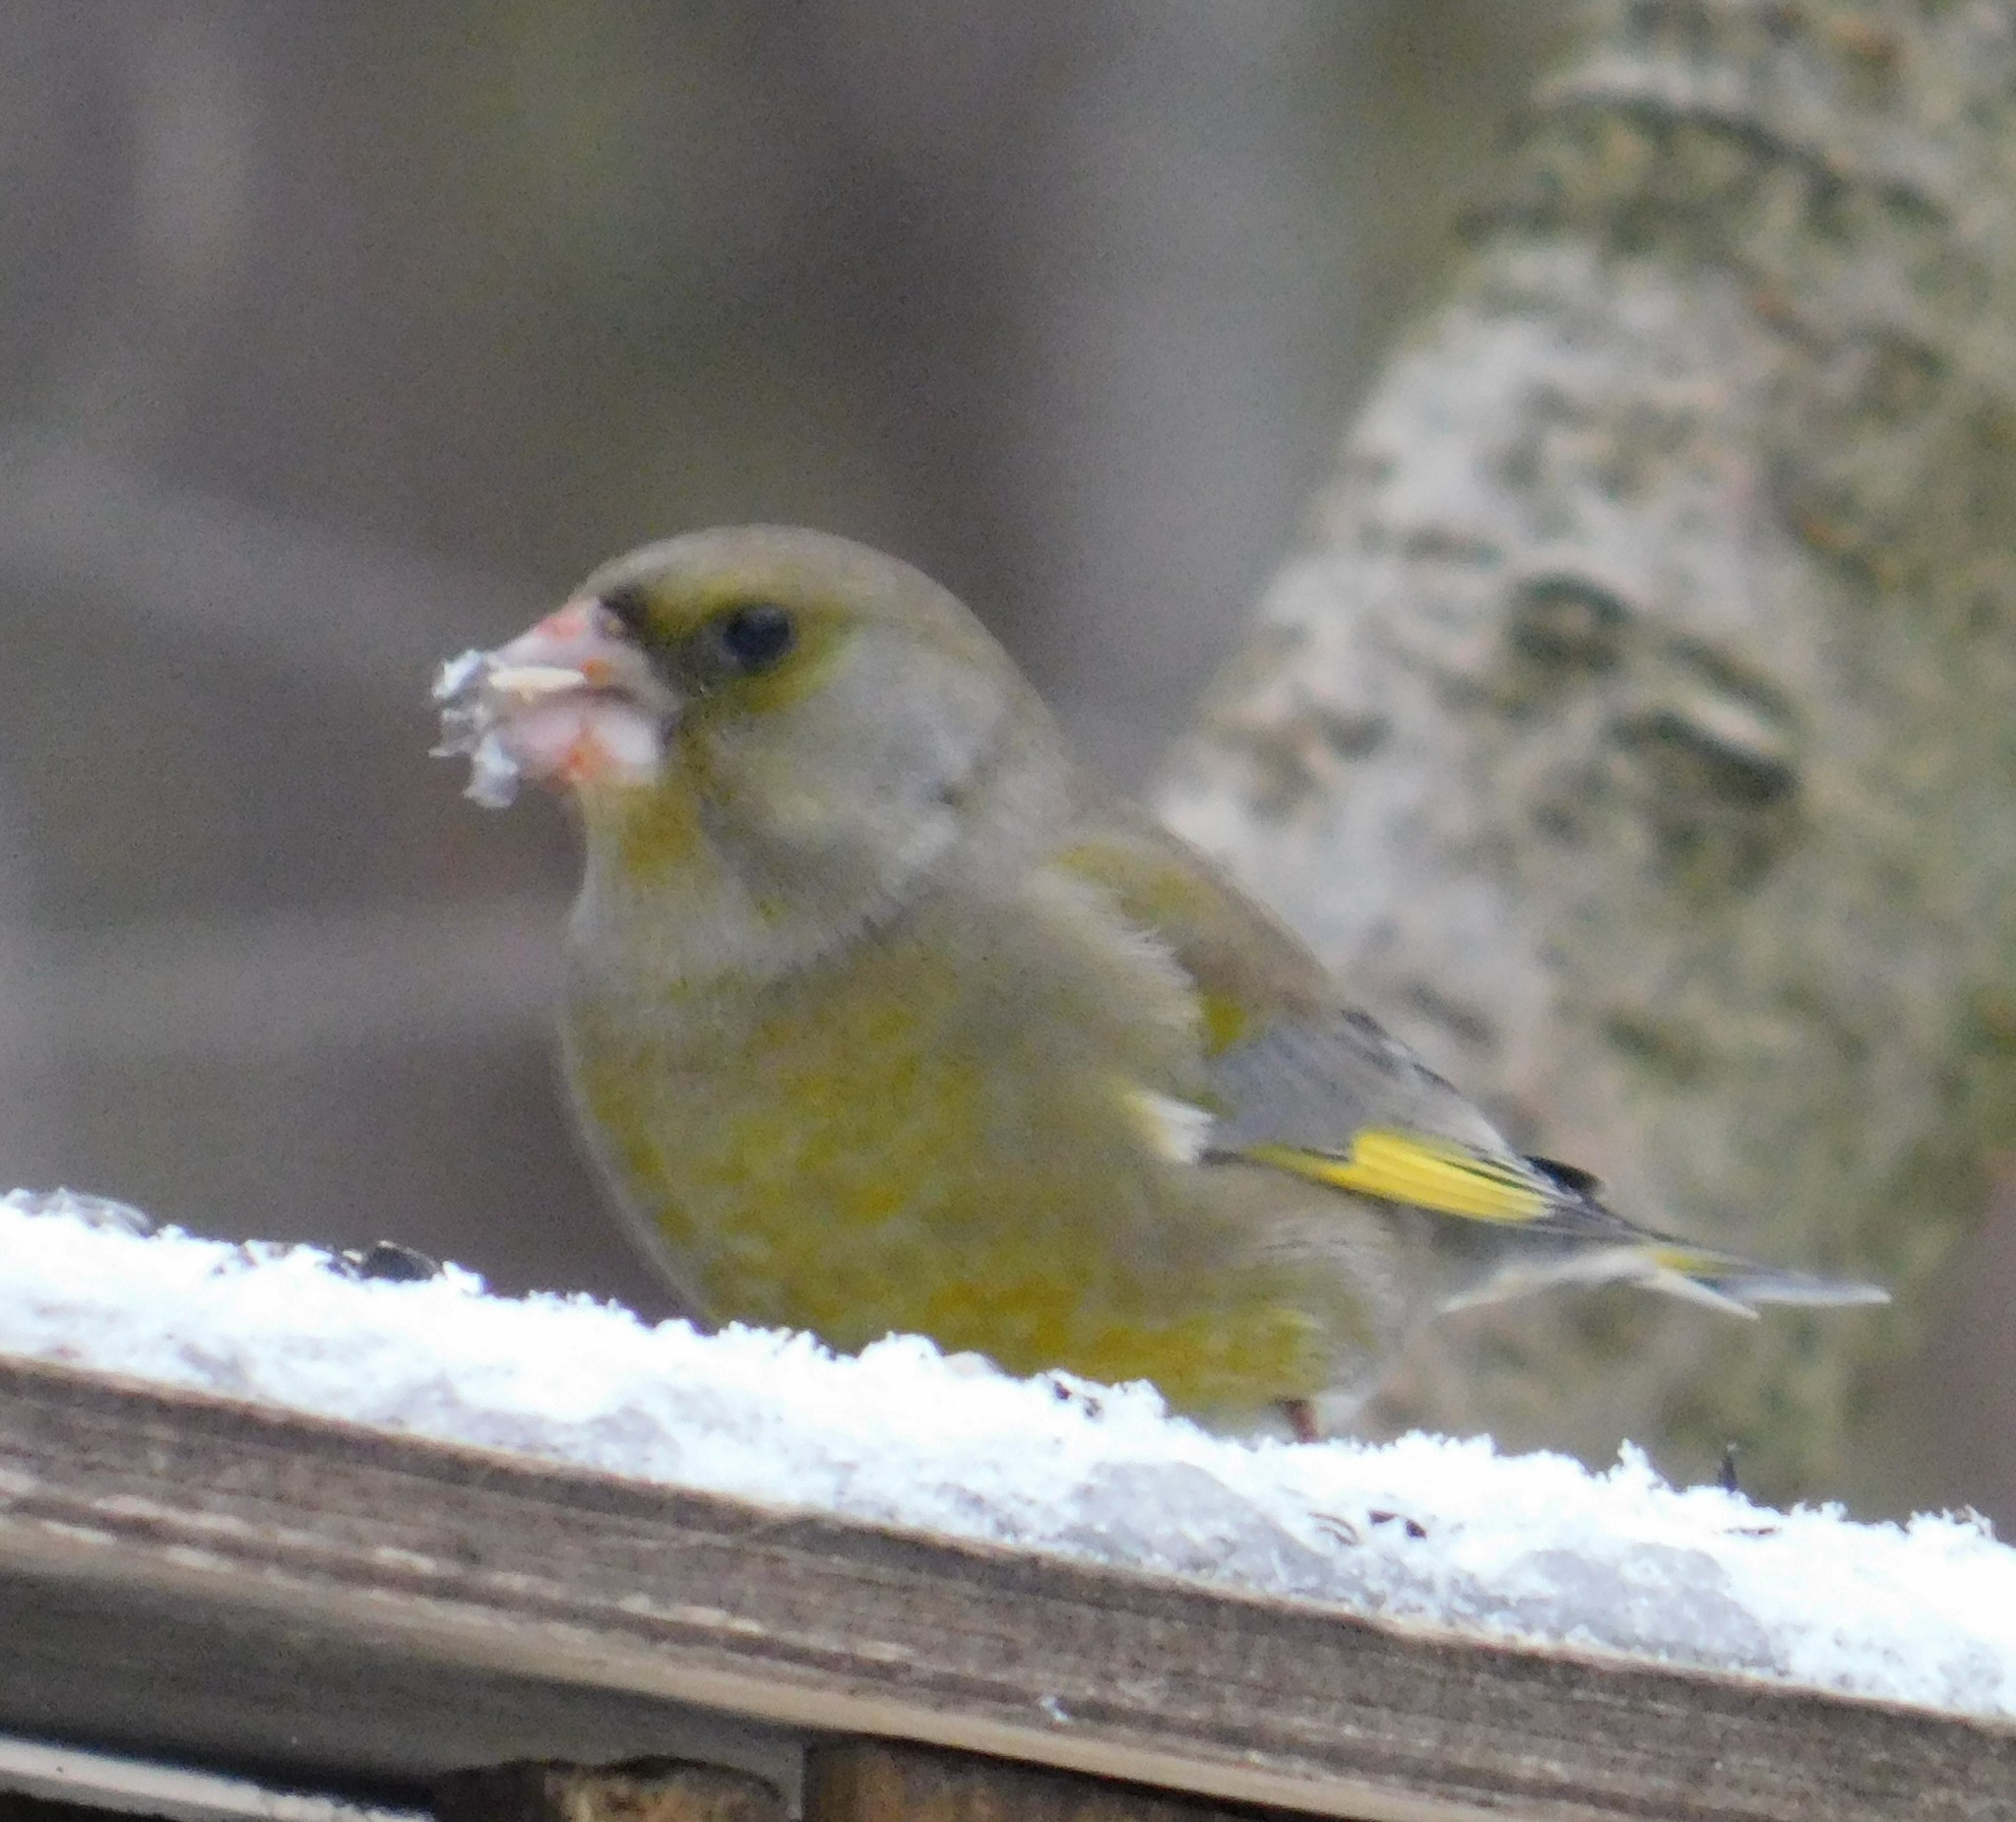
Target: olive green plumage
{"x":880,"y":1015}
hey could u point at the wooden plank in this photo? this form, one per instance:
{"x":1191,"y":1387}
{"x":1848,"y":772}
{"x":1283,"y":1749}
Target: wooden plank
{"x":38,"y":1781}
{"x":193,"y":1674}
{"x":306,"y":1595}
{"x":881,"y":1780}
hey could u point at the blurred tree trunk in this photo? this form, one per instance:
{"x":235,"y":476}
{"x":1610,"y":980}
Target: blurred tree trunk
{"x":1635,"y":728}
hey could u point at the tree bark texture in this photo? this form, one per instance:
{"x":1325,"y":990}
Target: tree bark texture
{"x":1635,"y":728}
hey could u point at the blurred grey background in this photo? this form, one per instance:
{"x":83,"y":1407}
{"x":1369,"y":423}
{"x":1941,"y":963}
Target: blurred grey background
{"x":339,"y":335}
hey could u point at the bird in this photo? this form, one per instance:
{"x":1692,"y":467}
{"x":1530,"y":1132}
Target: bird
{"x":880,"y":1015}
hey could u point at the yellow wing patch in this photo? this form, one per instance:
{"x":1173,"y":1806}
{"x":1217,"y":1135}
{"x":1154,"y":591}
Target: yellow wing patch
{"x":1420,"y":1170}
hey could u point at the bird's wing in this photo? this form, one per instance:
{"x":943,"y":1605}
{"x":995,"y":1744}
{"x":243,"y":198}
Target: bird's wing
{"x":1297,"y":1080}
{"x":1304,"y":1084}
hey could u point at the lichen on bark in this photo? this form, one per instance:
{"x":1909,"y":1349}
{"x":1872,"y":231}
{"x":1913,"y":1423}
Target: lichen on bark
{"x":1634,"y":727}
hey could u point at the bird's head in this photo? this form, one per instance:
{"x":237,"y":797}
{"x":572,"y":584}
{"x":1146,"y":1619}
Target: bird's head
{"x":824,"y":722}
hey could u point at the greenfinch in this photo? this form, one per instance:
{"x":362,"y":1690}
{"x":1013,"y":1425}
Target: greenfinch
{"x":882,"y":1015}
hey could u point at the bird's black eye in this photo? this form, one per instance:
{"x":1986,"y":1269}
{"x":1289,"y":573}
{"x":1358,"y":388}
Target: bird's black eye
{"x":757,"y":635}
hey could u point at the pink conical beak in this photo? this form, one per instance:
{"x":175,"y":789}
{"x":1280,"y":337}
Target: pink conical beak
{"x":570,"y":702}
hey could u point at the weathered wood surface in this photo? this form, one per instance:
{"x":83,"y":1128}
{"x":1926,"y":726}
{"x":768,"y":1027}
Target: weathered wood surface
{"x":184,"y":1575}
{"x":44,"y":1782}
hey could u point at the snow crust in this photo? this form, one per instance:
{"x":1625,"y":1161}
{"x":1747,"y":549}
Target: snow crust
{"x":1448,"y":1533}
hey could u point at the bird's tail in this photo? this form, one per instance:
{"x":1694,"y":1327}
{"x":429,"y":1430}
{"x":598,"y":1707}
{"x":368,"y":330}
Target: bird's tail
{"x":1559,"y":1227}
{"x":1681,"y":1267}
{"x":1740,"y":1286}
